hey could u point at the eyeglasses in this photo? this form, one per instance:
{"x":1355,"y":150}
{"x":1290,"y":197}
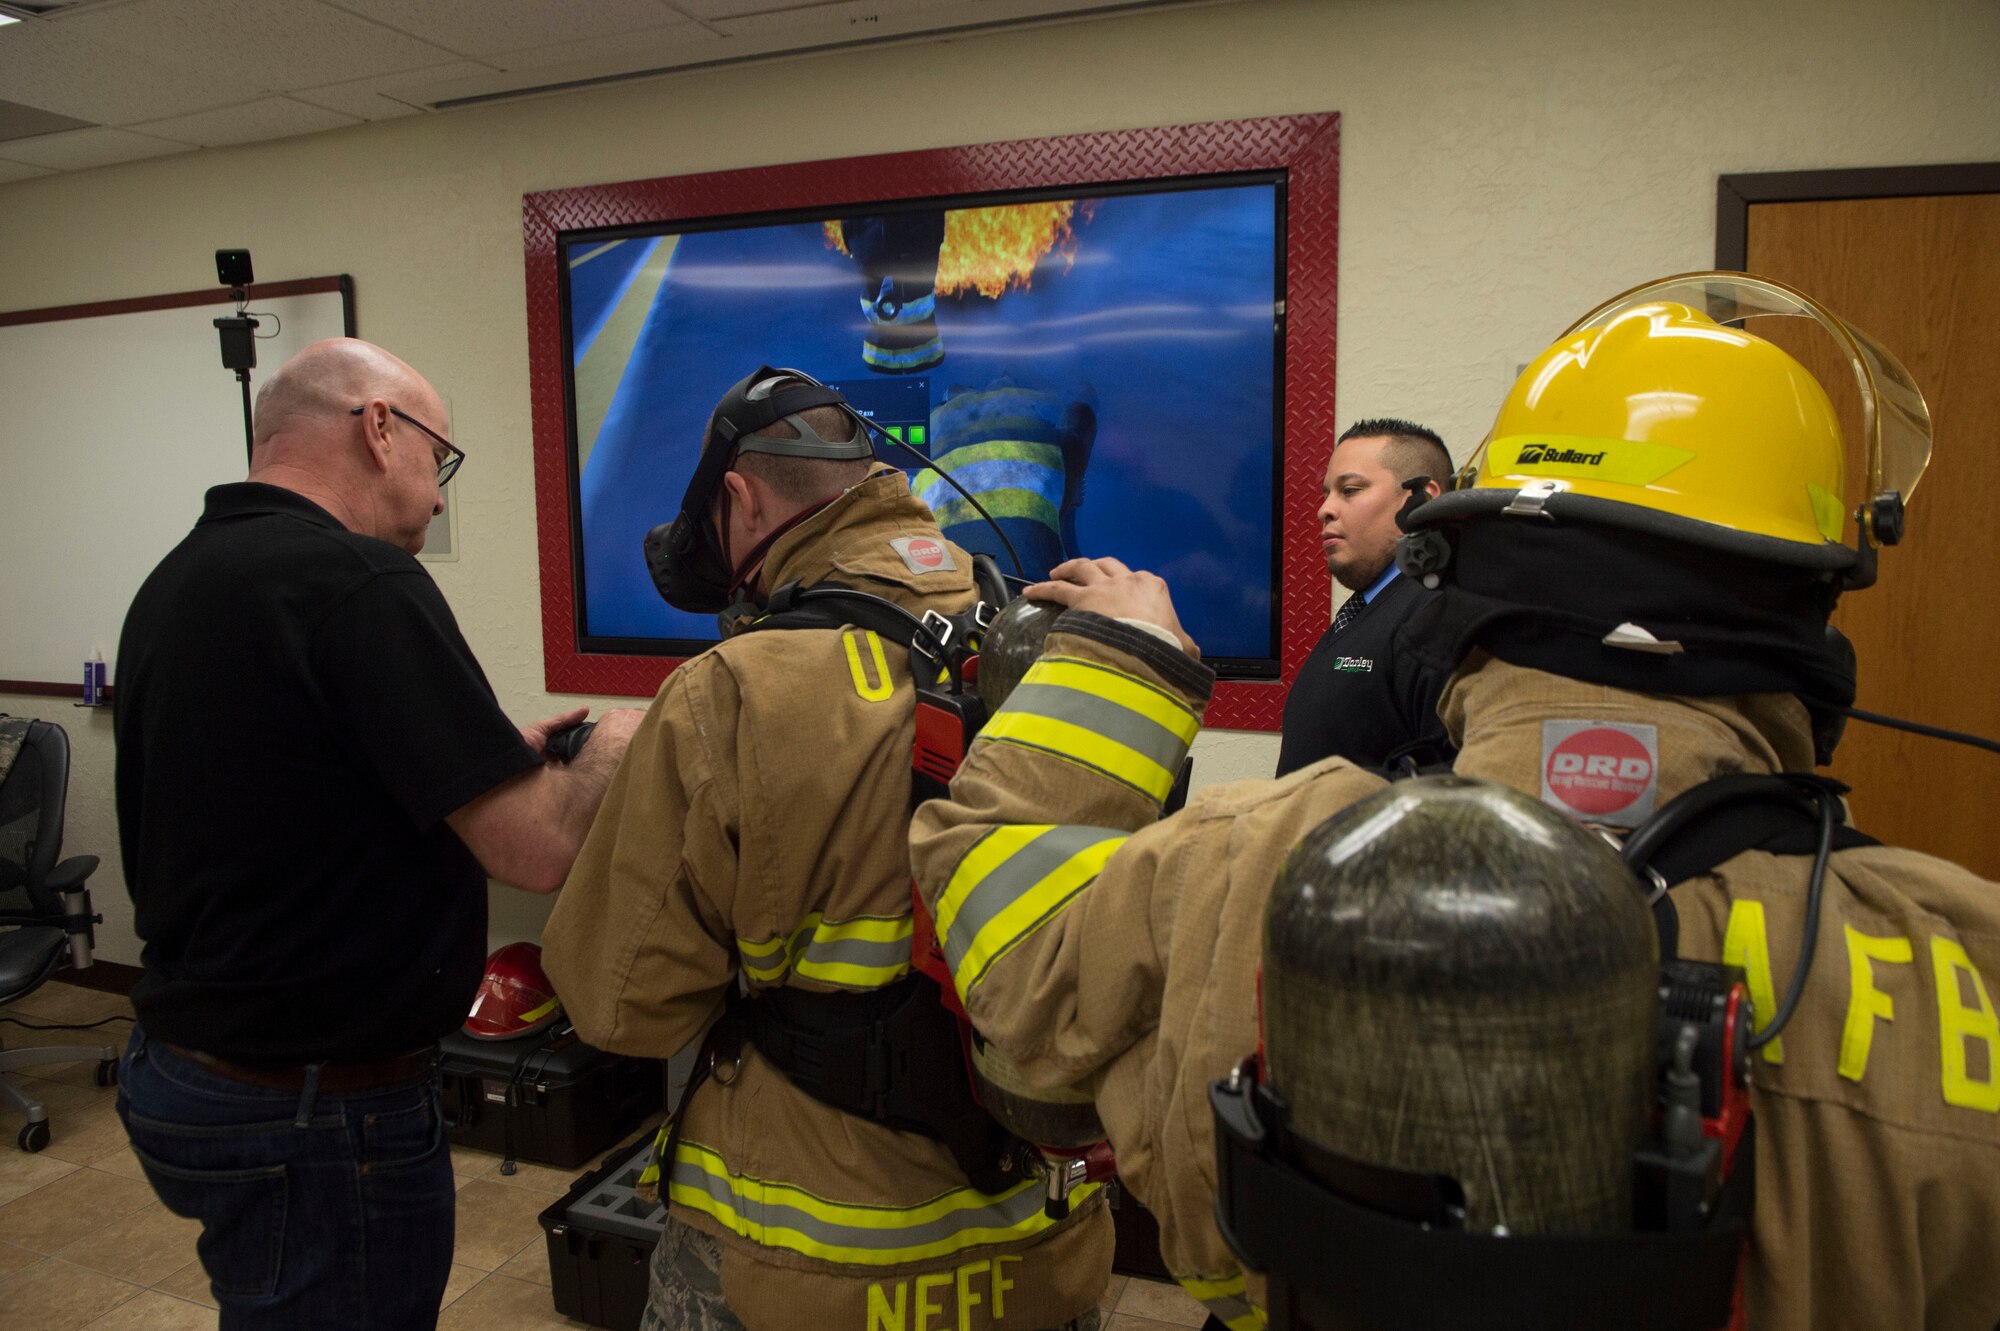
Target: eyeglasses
{"x":453,"y":455}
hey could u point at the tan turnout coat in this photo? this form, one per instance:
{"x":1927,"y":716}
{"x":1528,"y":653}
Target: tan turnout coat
{"x":758,"y":827}
{"x":1879,"y":1131}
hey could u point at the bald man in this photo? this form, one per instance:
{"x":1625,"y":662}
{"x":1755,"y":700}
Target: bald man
{"x":314,"y":781}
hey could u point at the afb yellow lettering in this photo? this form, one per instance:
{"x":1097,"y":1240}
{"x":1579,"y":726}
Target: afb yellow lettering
{"x":883,"y":1317}
{"x":1746,"y":944}
{"x":885,"y":688}
{"x":1866,"y":1003}
{"x":967,"y":1300}
{"x":1001,"y":1284}
{"x":1959,"y":1025}
{"x":926,"y":1285}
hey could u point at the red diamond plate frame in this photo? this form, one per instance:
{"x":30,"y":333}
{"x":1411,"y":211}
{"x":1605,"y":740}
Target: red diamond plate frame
{"x":1306,"y":147}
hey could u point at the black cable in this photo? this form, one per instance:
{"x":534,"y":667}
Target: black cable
{"x":1919,"y":728}
{"x":1808,"y":943}
{"x":979,"y":508}
{"x":66,"y":1026}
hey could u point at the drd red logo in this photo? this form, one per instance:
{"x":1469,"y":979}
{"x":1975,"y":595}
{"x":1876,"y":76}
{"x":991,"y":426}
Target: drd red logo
{"x":1599,"y":771}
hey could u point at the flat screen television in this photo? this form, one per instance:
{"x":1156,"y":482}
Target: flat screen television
{"x":1122,"y":341}
{"x":1101,"y":369}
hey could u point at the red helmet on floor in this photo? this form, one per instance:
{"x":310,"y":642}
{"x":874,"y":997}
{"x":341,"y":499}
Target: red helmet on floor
{"x":515,"y":996}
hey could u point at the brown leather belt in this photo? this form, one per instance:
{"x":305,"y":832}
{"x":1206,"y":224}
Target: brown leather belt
{"x":334,"y":1078}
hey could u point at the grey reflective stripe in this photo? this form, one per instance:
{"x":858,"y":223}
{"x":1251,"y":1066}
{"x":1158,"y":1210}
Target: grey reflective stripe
{"x":1019,"y":874}
{"x":859,"y":952}
{"x":1227,"y":1310}
{"x":1141,"y":734}
{"x":755,"y":1219}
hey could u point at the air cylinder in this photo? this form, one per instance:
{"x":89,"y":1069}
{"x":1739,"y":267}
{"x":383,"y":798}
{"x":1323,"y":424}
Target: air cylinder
{"x":1458,"y":980}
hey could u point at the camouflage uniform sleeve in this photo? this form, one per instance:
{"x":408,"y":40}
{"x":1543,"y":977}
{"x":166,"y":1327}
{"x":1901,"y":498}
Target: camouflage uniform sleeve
{"x":639,"y":945}
{"x":1082,"y":755}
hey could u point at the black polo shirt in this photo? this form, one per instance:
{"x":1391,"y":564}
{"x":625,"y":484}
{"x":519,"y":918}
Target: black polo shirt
{"x":1357,"y":696}
{"x":296,"y":713}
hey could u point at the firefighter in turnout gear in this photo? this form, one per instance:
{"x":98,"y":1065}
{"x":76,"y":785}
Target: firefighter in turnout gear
{"x":1636,"y":572}
{"x":752,"y":857}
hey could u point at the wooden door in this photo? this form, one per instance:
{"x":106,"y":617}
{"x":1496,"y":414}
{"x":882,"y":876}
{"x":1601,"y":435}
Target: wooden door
{"x":1921,"y":274}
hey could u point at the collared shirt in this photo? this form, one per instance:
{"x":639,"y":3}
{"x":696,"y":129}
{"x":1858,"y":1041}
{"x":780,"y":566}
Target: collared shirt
{"x":1387,"y":576}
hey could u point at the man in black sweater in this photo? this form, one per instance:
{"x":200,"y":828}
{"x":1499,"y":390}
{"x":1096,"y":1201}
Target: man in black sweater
{"x":1356,"y":696}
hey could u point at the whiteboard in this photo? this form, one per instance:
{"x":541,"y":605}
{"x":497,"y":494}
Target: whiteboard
{"x":116,"y":421}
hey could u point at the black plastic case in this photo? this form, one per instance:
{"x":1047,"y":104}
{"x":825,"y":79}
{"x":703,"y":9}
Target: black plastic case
{"x":601,"y":1238}
{"x":551,"y":1101}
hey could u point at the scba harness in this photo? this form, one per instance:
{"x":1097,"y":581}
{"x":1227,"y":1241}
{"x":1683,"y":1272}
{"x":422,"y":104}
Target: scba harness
{"x":903,"y":1054}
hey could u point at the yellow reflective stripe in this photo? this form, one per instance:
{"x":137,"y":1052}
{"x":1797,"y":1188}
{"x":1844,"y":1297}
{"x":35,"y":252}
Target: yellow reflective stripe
{"x":994,"y":901}
{"x":865,"y":952}
{"x":865,"y":929}
{"x":1100,"y":717}
{"x":1081,"y":745}
{"x":1225,"y":1298}
{"x":781,"y":1215}
{"x":536,"y":1013}
{"x":1153,"y":703}
{"x":877,"y":692}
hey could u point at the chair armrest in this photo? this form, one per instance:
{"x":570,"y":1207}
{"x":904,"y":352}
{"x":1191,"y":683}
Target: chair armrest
{"x":70,"y":874}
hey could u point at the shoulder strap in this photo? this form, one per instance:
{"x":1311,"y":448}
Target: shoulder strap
{"x":1710,"y":824}
{"x":1714,"y":822}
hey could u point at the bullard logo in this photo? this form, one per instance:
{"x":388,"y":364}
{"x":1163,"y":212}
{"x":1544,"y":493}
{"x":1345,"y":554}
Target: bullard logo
{"x":1549,"y":453}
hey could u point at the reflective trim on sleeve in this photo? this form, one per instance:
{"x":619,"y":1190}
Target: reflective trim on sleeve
{"x":999,"y":504}
{"x":1225,"y":1298}
{"x":1101,"y":718}
{"x":909,"y":358}
{"x":865,"y":952}
{"x":1014,"y":880}
{"x":780,"y":1215}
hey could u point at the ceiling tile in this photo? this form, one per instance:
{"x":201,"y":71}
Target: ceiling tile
{"x":482,"y":27}
{"x":25,"y":122}
{"x":269,"y":45}
{"x":20,"y":171}
{"x":272,"y":118}
{"x":714,"y":9}
{"x":82,"y":67}
{"x":81,"y":149}
{"x":859,"y":20}
{"x":377,"y":99}
{"x":652,"y":49}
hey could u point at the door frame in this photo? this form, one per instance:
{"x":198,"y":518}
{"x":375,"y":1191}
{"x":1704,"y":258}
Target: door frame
{"x":1735,"y":193}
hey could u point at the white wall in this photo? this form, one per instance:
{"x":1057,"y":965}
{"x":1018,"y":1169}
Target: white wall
{"x":1505,"y":166}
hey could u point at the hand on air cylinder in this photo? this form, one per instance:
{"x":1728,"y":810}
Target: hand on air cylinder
{"x":1107,"y":587}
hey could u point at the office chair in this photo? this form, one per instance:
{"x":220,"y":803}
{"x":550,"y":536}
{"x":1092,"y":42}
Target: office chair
{"x":45,"y":899}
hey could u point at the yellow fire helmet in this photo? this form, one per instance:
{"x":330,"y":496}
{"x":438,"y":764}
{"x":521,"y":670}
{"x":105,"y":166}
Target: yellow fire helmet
{"x":1657,"y":412}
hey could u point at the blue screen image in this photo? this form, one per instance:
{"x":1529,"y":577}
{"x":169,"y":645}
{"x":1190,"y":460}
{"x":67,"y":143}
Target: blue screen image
{"x":1106,"y":388}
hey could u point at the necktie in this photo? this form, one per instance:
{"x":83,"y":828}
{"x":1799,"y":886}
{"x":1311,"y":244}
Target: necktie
{"x":1350,"y":610}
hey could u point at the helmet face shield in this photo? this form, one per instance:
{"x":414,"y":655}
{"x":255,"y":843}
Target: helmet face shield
{"x":1658,"y":410}
{"x":1895,"y":422}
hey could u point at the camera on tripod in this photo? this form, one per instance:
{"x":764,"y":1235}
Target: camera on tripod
{"x":238,"y":331}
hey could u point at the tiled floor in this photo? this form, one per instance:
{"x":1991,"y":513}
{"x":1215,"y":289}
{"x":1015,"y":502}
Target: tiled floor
{"x":85,"y":1246}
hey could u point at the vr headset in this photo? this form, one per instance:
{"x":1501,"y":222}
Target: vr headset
{"x":689,"y":557}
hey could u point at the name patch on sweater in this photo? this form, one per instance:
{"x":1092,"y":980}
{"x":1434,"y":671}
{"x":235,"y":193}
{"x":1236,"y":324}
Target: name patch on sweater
{"x":1354,"y":665}
{"x":1601,"y":771}
{"x":923,"y":554}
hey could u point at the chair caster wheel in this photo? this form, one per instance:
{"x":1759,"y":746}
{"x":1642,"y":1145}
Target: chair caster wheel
{"x":33,"y":1137}
{"x":107,"y":1072}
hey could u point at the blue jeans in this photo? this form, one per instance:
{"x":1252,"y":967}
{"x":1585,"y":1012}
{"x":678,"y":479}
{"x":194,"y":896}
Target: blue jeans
{"x":317,"y":1210}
